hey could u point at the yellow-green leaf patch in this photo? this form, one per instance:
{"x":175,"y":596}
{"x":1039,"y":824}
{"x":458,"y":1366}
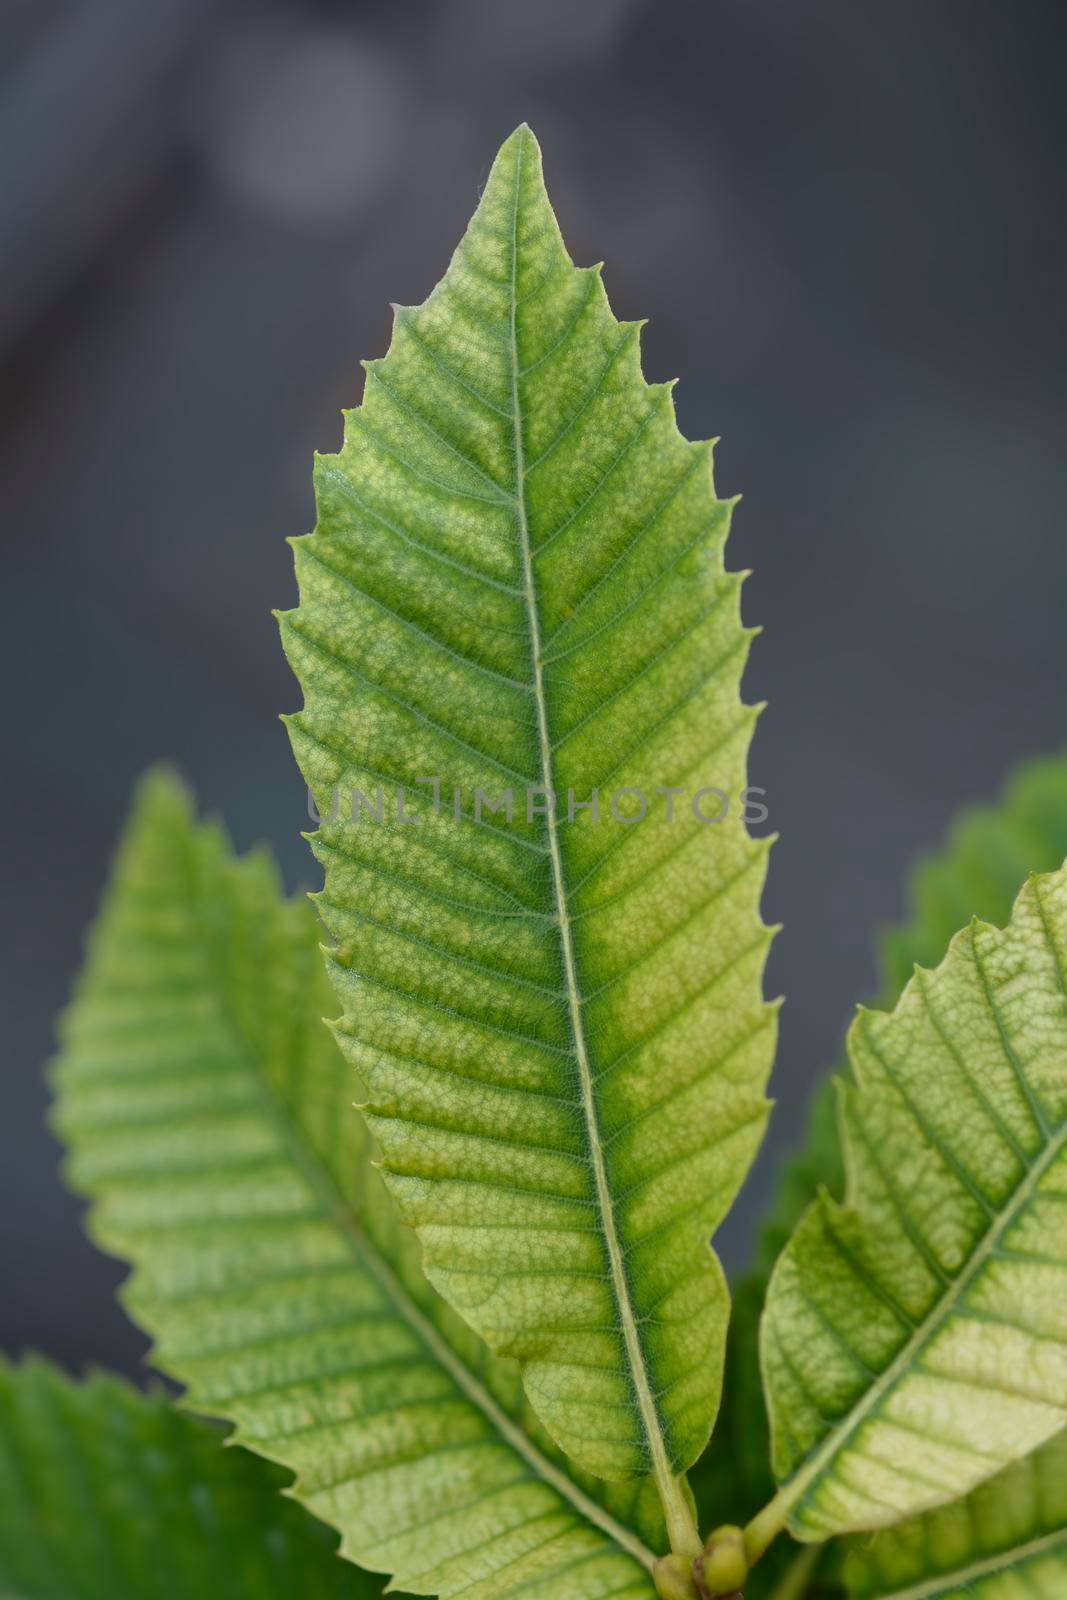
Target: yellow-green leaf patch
{"x":516,"y":587}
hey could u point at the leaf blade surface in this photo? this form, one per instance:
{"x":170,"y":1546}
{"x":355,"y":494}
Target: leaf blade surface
{"x":209,"y":1117}
{"x":560,"y":1023}
{"x":987,"y":853}
{"x":107,"y":1492}
{"x":914,"y":1340}
{"x":1005,"y":1540}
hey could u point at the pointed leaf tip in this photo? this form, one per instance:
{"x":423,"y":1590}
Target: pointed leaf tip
{"x":520,"y":138}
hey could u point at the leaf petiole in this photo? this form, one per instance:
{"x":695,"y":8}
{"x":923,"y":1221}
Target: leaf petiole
{"x":767,"y":1524}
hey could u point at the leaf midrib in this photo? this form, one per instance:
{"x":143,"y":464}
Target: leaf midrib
{"x":962,"y":1577}
{"x":675,"y":1511}
{"x":337,"y":1209}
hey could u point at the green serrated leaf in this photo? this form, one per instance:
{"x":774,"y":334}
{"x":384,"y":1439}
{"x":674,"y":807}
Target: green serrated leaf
{"x":977,"y":872}
{"x":915,"y":1336}
{"x":107,"y":1494}
{"x":516,"y":584}
{"x":1006,"y":1541}
{"x":208,"y":1114}
{"x":987,"y":854}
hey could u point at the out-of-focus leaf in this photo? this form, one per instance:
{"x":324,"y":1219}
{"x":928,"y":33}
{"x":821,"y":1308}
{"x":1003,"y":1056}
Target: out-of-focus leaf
{"x":1006,"y":1541}
{"x":209,"y":1115}
{"x":107,"y":1494}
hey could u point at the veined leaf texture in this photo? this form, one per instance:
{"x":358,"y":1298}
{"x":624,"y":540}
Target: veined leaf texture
{"x":986,"y":855}
{"x":209,"y":1117}
{"x":516,"y":584}
{"x":1006,"y":1541}
{"x":520,"y":653}
{"x":915,"y":1336}
{"x":976,"y":873}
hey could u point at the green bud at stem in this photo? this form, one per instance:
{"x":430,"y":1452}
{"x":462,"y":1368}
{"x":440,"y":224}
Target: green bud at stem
{"x":674,"y":1580}
{"x":724,"y":1566}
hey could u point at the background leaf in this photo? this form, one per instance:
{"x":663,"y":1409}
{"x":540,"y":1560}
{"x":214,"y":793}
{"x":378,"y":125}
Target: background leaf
{"x":1006,"y":1541}
{"x":209,"y":1115}
{"x":989,"y":852}
{"x":915,"y":1337}
{"x":986,"y":855}
{"x":516,"y":582}
{"x":976,"y":873}
{"x":107,"y":1494}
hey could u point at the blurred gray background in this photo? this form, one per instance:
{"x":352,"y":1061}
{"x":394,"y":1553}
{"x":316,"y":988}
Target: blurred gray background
{"x":845,"y":222}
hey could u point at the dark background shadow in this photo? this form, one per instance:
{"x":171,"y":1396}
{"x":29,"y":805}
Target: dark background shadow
{"x":844,"y":219}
